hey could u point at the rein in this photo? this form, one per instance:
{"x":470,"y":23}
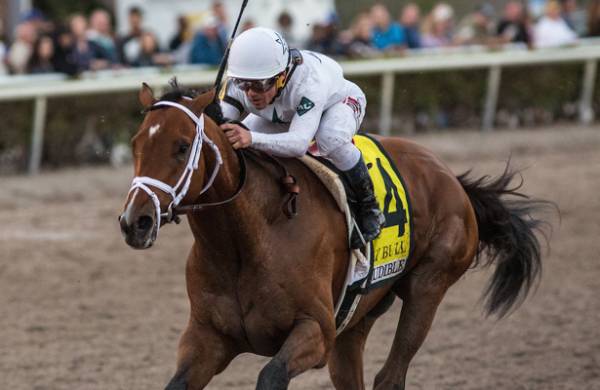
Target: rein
{"x":201,"y":206}
{"x":180,"y":190}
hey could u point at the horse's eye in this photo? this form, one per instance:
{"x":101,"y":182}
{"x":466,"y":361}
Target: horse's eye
{"x":182,"y":149}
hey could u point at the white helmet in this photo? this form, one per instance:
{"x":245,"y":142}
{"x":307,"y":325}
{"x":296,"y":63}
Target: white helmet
{"x":258,"y":54}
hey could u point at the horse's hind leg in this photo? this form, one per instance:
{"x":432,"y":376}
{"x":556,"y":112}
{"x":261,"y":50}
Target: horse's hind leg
{"x":346,"y":360}
{"x":422,"y":291}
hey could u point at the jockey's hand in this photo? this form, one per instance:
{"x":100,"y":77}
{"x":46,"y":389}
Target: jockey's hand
{"x":238,"y":137}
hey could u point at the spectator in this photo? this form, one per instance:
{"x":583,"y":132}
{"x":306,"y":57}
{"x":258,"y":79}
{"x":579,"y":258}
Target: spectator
{"x":324,"y":39}
{"x":150,"y":54}
{"x":3,"y":69}
{"x":386,"y":35}
{"x":513,"y":27}
{"x":285,"y":24}
{"x":129,"y":45}
{"x":21,"y":50}
{"x":318,"y":38}
{"x":64,"y":47}
{"x":87,"y":55}
{"x":574,"y":16}
{"x":38,"y":20}
{"x":220,"y":13}
{"x":101,"y":34}
{"x":437,"y":30}
{"x":593,"y":19}
{"x":41,"y":58}
{"x":552,"y":30}
{"x":183,"y":34}
{"x":208,"y":46}
{"x":181,"y":43}
{"x":476,"y":28}
{"x":410,"y":20}
{"x":359,"y":41}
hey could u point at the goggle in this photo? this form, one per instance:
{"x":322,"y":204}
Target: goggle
{"x":258,"y":86}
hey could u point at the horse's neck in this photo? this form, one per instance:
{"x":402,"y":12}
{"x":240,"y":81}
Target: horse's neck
{"x":233,"y":229}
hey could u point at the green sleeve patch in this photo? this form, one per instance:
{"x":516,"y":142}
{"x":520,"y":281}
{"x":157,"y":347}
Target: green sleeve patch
{"x":305,"y":106}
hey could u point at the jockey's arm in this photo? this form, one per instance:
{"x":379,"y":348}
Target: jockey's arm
{"x":294,"y":142}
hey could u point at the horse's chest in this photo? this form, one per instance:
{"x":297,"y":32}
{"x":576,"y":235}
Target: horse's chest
{"x":268,"y":318}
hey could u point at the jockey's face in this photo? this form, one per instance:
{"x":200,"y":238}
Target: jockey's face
{"x":261,"y":99}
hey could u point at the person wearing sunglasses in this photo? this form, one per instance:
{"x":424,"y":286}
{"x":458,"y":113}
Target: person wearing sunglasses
{"x":290,"y":98}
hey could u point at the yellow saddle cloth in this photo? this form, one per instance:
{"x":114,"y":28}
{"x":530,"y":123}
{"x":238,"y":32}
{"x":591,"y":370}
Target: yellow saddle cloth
{"x":391,"y":250}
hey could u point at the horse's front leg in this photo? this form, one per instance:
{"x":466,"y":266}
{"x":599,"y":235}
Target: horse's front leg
{"x":306,"y":347}
{"x":202,"y":354}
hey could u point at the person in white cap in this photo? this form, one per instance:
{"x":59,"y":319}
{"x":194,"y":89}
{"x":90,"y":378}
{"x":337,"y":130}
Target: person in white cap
{"x":293,"y":97}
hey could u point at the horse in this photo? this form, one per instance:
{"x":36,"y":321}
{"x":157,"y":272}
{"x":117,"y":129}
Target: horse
{"x":263,"y":283}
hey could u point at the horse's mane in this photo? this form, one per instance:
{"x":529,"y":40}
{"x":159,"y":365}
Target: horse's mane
{"x":177,"y":93}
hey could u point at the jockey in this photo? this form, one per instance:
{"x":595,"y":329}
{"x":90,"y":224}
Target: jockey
{"x":293,"y":97}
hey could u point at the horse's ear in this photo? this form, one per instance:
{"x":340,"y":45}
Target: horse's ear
{"x":146,"y":96}
{"x":201,"y":101}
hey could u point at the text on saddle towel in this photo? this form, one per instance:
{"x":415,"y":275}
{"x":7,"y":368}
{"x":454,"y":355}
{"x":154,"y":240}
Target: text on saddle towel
{"x":391,"y":249}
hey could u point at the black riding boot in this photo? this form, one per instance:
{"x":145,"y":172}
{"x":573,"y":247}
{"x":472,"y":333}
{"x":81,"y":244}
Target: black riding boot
{"x":370,"y":218}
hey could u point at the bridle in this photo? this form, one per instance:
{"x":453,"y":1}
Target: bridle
{"x":181,"y":188}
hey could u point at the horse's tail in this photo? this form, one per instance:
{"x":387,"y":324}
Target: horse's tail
{"x":507,"y":235}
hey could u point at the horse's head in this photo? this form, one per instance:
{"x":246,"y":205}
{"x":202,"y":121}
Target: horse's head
{"x":167,"y":165}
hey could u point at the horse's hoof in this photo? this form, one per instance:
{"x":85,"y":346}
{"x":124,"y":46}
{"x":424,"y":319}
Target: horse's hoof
{"x":273,"y":376}
{"x":177,"y":383}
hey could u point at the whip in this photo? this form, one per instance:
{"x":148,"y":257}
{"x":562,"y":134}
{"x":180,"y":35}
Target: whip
{"x":226,"y":55}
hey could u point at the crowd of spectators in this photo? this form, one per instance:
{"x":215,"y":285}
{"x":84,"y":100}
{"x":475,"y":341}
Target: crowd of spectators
{"x":89,"y":42}
{"x":376,"y":32}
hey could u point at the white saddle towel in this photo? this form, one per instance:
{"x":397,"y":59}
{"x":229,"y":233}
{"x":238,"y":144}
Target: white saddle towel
{"x":359,"y":266}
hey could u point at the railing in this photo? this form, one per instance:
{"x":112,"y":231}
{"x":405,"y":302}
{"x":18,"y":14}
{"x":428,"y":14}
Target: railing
{"x":40,"y":88}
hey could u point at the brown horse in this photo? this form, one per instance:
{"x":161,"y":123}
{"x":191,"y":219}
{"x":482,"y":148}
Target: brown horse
{"x":260,"y":282}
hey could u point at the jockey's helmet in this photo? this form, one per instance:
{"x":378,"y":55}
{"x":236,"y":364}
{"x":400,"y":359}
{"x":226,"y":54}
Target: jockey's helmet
{"x":258,"y":54}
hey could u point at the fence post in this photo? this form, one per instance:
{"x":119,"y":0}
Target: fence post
{"x":491,"y":98}
{"x":387,"y":102}
{"x":37,"y":134}
{"x":586,"y":111}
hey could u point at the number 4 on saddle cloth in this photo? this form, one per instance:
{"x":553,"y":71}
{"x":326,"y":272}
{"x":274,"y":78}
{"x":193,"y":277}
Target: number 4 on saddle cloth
{"x":385,"y":258}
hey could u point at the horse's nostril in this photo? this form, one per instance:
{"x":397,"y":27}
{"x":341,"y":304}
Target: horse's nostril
{"x":123,"y":224}
{"x":144,"y":223}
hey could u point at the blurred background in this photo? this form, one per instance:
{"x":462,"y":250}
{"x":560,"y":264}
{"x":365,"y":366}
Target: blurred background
{"x":477,"y":82}
{"x":69,"y":69}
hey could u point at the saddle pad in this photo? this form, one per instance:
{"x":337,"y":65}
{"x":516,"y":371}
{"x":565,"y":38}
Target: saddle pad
{"x":391,"y":250}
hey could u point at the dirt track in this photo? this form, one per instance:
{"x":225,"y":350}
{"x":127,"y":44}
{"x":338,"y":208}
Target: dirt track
{"x":80,"y":310}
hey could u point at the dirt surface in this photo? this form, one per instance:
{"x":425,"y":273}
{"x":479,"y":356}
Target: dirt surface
{"x":81,"y":310}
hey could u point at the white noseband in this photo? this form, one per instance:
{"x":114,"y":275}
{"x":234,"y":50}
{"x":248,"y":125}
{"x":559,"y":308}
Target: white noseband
{"x":179,"y":190}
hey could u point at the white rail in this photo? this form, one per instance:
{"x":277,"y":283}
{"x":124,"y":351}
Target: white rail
{"x":40,"y":88}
